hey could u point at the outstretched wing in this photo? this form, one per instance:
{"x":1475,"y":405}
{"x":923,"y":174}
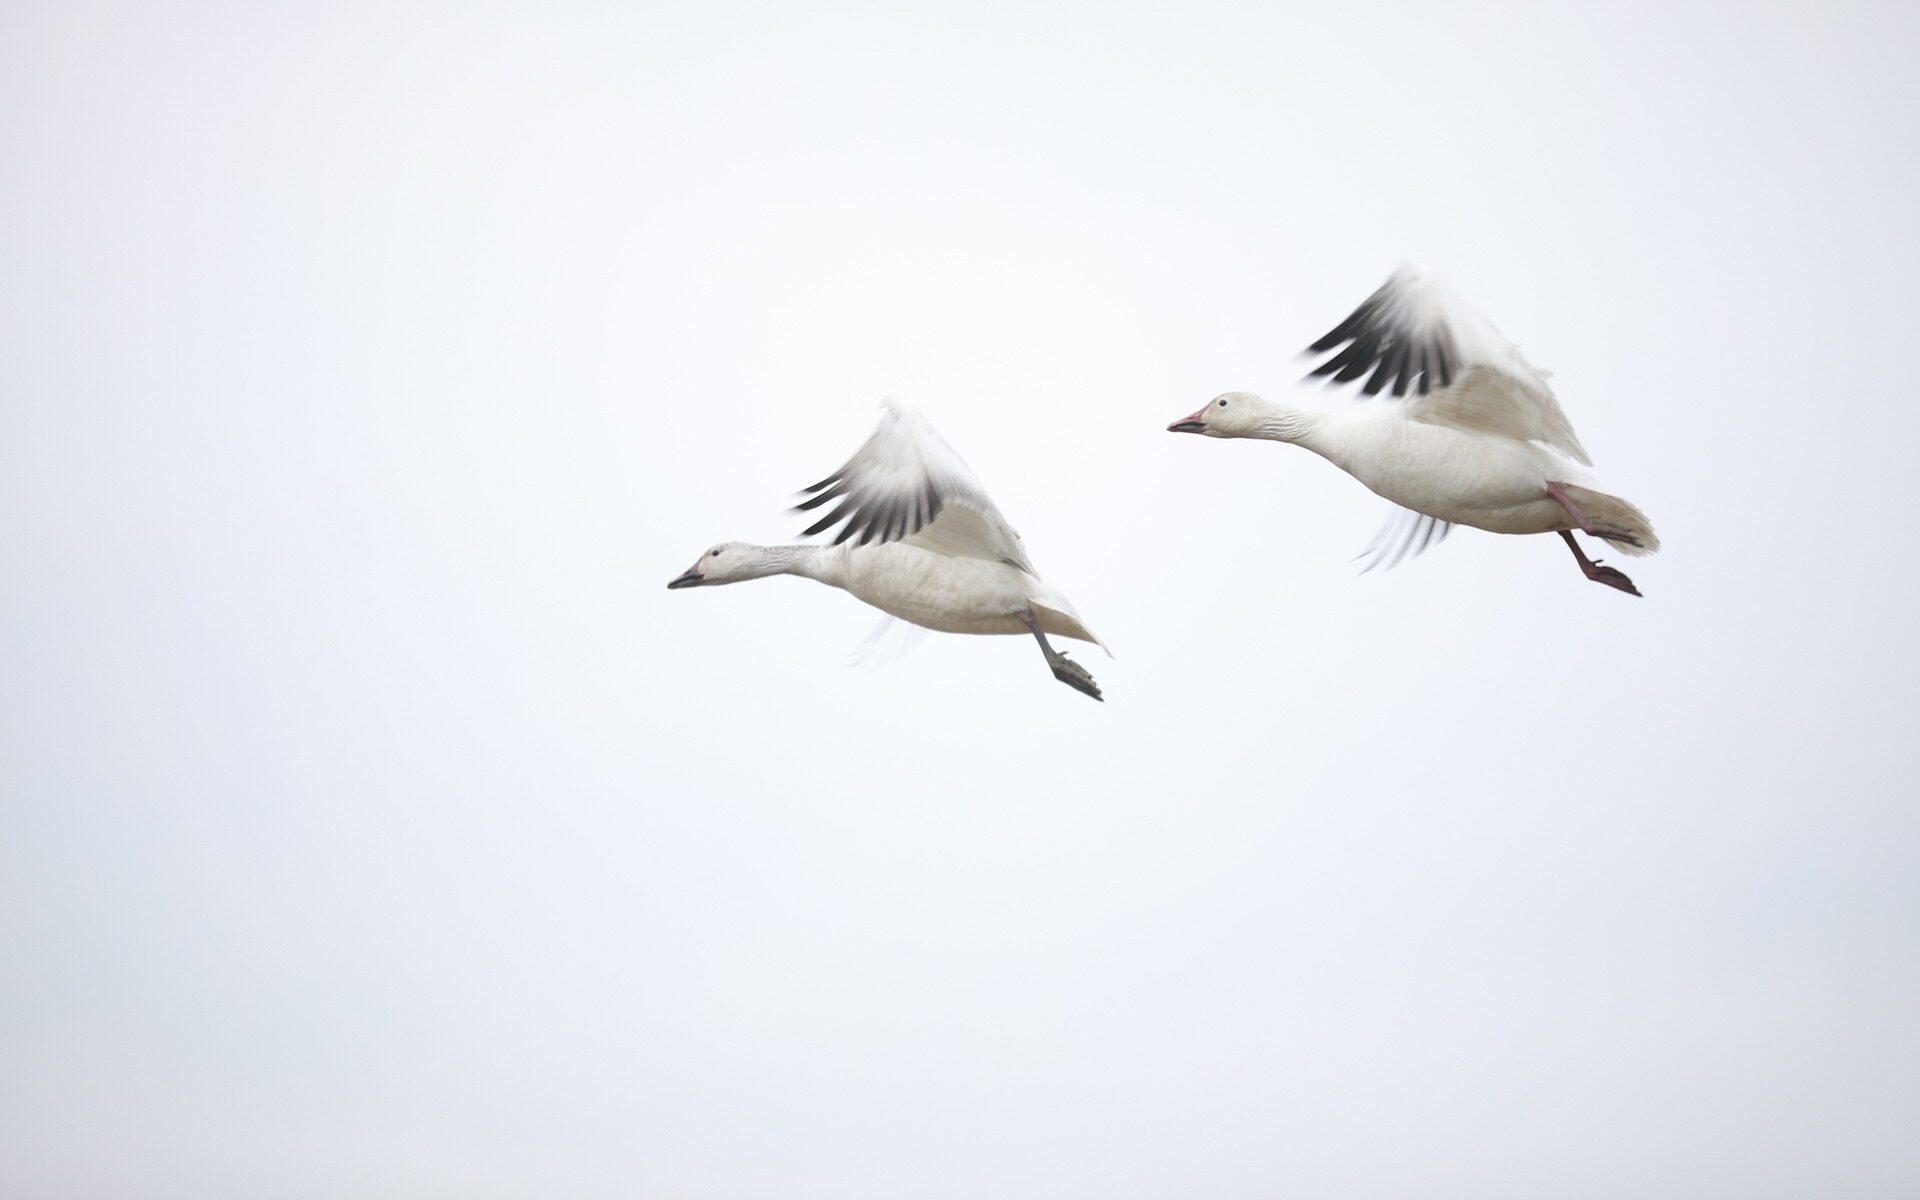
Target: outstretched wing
{"x":1406,"y":534}
{"x":1419,"y":338}
{"x":906,"y":484}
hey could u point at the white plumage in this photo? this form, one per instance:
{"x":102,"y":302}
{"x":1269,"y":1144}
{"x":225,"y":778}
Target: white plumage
{"x":1474,"y":436}
{"x":919,"y":539}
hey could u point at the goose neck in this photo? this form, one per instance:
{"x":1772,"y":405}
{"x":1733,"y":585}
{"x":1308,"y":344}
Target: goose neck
{"x":1281,"y":423}
{"x":822,"y":563}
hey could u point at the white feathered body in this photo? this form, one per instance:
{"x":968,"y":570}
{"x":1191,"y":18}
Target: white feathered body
{"x":1491,"y":483}
{"x":920,"y":540}
{"x":953,"y":594}
{"x":1467,"y":476}
{"x":1481,"y":435}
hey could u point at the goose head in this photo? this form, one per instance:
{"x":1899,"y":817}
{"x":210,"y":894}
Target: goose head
{"x":729,"y":562}
{"x":1228,"y":415}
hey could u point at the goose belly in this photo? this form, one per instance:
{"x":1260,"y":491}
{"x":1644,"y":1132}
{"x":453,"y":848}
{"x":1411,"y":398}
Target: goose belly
{"x":1497,"y":484}
{"x":938,"y":591}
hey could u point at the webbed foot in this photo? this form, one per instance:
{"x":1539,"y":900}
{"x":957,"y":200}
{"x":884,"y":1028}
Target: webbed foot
{"x":1074,"y":675}
{"x":1610,"y":577}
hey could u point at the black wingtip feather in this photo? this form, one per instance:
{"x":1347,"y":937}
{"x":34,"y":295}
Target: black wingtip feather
{"x":1340,"y":361}
{"x":1356,"y":320}
{"x":822,"y":498}
{"x":871,"y":519}
{"x":1379,"y":380}
{"x":1398,"y":361}
{"x":832,"y":518}
{"x":1376,"y":342}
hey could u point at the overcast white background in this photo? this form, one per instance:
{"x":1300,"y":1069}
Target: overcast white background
{"x":377,"y":825}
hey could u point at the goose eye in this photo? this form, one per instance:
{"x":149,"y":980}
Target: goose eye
{"x":1223,"y":404}
{"x":716,"y":554}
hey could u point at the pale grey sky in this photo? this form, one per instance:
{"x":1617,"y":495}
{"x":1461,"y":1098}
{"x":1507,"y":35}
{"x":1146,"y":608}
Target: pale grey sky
{"x":377,"y":825}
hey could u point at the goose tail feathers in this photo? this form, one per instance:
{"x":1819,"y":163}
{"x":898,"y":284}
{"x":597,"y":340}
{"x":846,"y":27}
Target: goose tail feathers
{"x":1057,"y":617}
{"x":1612,"y":510}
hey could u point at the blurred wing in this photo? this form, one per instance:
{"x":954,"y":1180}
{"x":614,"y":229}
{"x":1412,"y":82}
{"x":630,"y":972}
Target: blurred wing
{"x":1419,"y":338}
{"x":906,"y":484}
{"x":887,"y":642}
{"x":1406,"y":534}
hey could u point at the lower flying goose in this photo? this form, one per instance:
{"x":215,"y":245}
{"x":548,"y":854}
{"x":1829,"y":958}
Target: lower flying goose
{"x":920,"y":541}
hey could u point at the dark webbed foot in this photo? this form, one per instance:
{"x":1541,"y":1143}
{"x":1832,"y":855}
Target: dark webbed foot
{"x":1073,"y":675}
{"x":1592,"y":569}
{"x":1065,"y":669}
{"x":1611,"y":577}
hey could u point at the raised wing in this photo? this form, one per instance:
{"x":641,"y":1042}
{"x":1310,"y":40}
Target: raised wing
{"x":1405,"y":535}
{"x":1419,"y":338}
{"x":906,"y":484}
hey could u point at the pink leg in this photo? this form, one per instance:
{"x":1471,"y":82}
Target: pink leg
{"x":1599,"y":574}
{"x":1586,"y":524}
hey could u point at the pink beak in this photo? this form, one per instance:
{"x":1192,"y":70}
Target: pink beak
{"x":692,"y":577}
{"x":1197,"y":423}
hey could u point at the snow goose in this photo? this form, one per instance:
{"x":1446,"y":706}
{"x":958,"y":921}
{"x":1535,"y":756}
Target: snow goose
{"x":1477,"y":438}
{"x":919,"y":540}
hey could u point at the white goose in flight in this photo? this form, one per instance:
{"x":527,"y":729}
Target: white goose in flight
{"x":1477,"y":438}
{"x":921,"y":541}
